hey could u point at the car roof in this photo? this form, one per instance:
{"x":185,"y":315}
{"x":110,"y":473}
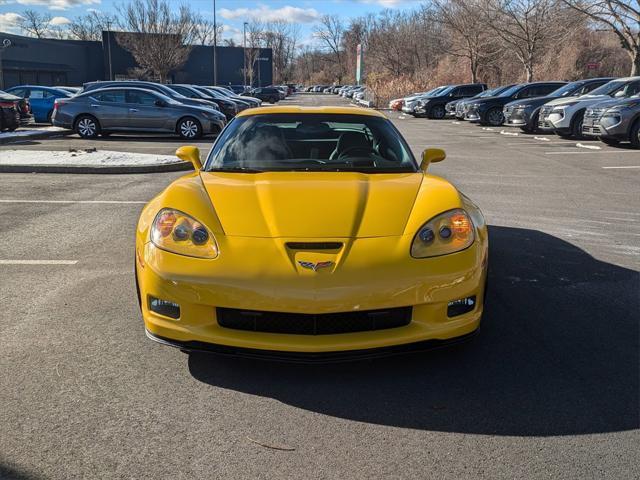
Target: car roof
{"x":311,"y":110}
{"x":36,"y":86}
{"x":123,"y":87}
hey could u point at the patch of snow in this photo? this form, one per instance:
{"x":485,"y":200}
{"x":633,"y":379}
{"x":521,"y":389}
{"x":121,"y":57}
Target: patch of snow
{"x":82,"y":158}
{"x":489,"y":129}
{"x":512,"y":134}
{"x":542,"y":139}
{"x":590,"y":147}
{"x":30,"y":132}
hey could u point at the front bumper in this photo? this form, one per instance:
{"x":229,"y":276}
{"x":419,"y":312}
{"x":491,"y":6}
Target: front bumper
{"x":361,"y":283}
{"x":516,"y":117}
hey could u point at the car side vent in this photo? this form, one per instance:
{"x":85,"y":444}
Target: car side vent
{"x":314,"y":245}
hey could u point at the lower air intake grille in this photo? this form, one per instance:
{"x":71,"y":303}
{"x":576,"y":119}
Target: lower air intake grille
{"x":305,"y":324}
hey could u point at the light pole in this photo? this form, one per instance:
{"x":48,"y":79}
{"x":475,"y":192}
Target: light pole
{"x":215,"y":46}
{"x":244,"y":50}
{"x":6,"y":43}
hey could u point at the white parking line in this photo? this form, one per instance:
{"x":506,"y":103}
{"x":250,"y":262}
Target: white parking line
{"x":627,"y":166}
{"x":97,"y":202}
{"x":595,"y":152}
{"x":38,"y":262}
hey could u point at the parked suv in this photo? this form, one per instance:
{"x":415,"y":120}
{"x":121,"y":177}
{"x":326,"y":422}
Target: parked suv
{"x":411,"y":102}
{"x":565,"y":116}
{"x":127,"y":109}
{"x":488,"y":111}
{"x":434,"y":105}
{"x":459,"y":107}
{"x":614,"y":121}
{"x":525,"y":113}
{"x":266,"y":94}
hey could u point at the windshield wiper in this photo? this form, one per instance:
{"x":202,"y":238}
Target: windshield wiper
{"x":237,"y":170}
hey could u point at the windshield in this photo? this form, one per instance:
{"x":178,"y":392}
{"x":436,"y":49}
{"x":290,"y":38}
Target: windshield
{"x":442,"y":91}
{"x":311,"y":142}
{"x":566,"y":90}
{"x":608,"y":88}
{"x":509,"y":91}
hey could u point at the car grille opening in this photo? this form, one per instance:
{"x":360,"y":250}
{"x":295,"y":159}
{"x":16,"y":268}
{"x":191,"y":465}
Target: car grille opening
{"x":314,"y":245}
{"x":313,"y":324}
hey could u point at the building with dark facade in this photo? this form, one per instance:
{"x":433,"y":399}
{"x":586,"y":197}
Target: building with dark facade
{"x":73,"y":62}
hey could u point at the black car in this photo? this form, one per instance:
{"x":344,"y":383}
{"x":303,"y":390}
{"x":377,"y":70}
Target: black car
{"x":156,"y":87}
{"x":435,"y":106}
{"x":14,"y":112}
{"x":266,"y":94}
{"x":243,"y":102}
{"x":227,"y":106}
{"x":190,"y":92}
{"x":488,"y":111}
{"x":457,"y":108}
{"x":525,"y":113}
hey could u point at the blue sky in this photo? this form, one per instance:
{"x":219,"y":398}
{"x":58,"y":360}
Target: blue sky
{"x":232,"y":13}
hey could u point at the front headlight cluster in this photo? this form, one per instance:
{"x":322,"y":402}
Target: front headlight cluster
{"x":447,"y":233}
{"x":177,"y":232}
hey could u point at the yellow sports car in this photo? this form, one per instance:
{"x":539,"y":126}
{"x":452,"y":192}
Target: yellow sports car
{"x":310,"y":232}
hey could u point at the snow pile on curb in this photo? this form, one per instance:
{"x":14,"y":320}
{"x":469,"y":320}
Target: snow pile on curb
{"x":31,"y":132}
{"x":84,"y":158}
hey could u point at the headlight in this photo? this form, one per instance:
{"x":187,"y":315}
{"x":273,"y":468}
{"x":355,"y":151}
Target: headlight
{"x":177,"y":232}
{"x":449,"y":232}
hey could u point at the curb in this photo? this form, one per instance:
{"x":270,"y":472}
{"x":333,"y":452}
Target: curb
{"x":36,"y":136}
{"x":87,"y":169}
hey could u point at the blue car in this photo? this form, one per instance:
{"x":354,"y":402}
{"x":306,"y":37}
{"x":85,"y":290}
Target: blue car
{"x":41,"y":99}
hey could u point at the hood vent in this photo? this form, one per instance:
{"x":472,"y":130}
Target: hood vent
{"x":314,"y":245}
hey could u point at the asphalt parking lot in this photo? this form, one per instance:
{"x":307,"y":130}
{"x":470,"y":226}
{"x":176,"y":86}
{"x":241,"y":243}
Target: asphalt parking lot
{"x":549,"y":389}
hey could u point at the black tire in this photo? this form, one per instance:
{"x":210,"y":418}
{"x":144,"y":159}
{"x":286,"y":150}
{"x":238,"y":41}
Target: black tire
{"x":87,"y":126}
{"x":634,"y":134}
{"x":12,"y":129}
{"x":576,"y":125}
{"x":494,"y":117}
{"x":437,"y":112}
{"x":189,"y":128}
{"x":273,"y":100}
{"x":613,"y":142}
{"x":532,"y":126}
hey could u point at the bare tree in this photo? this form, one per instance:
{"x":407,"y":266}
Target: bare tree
{"x":205,"y":31}
{"x":281,"y":37}
{"x":622,"y":17}
{"x":90,"y":26}
{"x":35,"y":23}
{"x":159,"y":39}
{"x":471,"y":38}
{"x":331,"y":32}
{"x":528,"y":27}
{"x":254,"y":36}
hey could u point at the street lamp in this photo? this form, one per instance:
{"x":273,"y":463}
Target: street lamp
{"x":215,"y":45}
{"x":6,"y":43}
{"x":244,"y":50}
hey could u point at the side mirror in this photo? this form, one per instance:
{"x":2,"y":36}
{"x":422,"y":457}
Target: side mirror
{"x":431,"y":155}
{"x":160,"y":103}
{"x":190,"y":154}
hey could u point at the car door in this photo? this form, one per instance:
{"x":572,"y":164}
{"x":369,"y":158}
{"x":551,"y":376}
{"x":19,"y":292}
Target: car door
{"x":39,"y":106}
{"x":143,"y":113}
{"x":110,"y":108}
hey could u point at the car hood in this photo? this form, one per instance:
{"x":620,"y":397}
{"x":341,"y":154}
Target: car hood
{"x":531,"y":102}
{"x":619,"y":102}
{"x":491,"y":101}
{"x":312,"y":204}
{"x":588,"y":99}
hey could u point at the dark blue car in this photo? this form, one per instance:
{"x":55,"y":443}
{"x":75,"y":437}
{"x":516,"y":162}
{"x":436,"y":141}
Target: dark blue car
{"x":41,"y":99}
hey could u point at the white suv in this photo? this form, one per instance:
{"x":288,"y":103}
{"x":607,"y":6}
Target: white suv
{"x":564,"y":116}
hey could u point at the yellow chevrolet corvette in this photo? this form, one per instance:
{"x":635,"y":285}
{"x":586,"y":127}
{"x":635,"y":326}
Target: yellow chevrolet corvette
{"x":310,"y":232}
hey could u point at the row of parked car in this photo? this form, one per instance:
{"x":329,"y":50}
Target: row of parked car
{"x":605,"y":108}
{"x":104,"y":107}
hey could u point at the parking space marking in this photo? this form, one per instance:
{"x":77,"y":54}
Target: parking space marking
{"x":38,"y":262}
{"x":626,"y":166}
{"x":595,"y":152}
{"x":96,"y":202}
